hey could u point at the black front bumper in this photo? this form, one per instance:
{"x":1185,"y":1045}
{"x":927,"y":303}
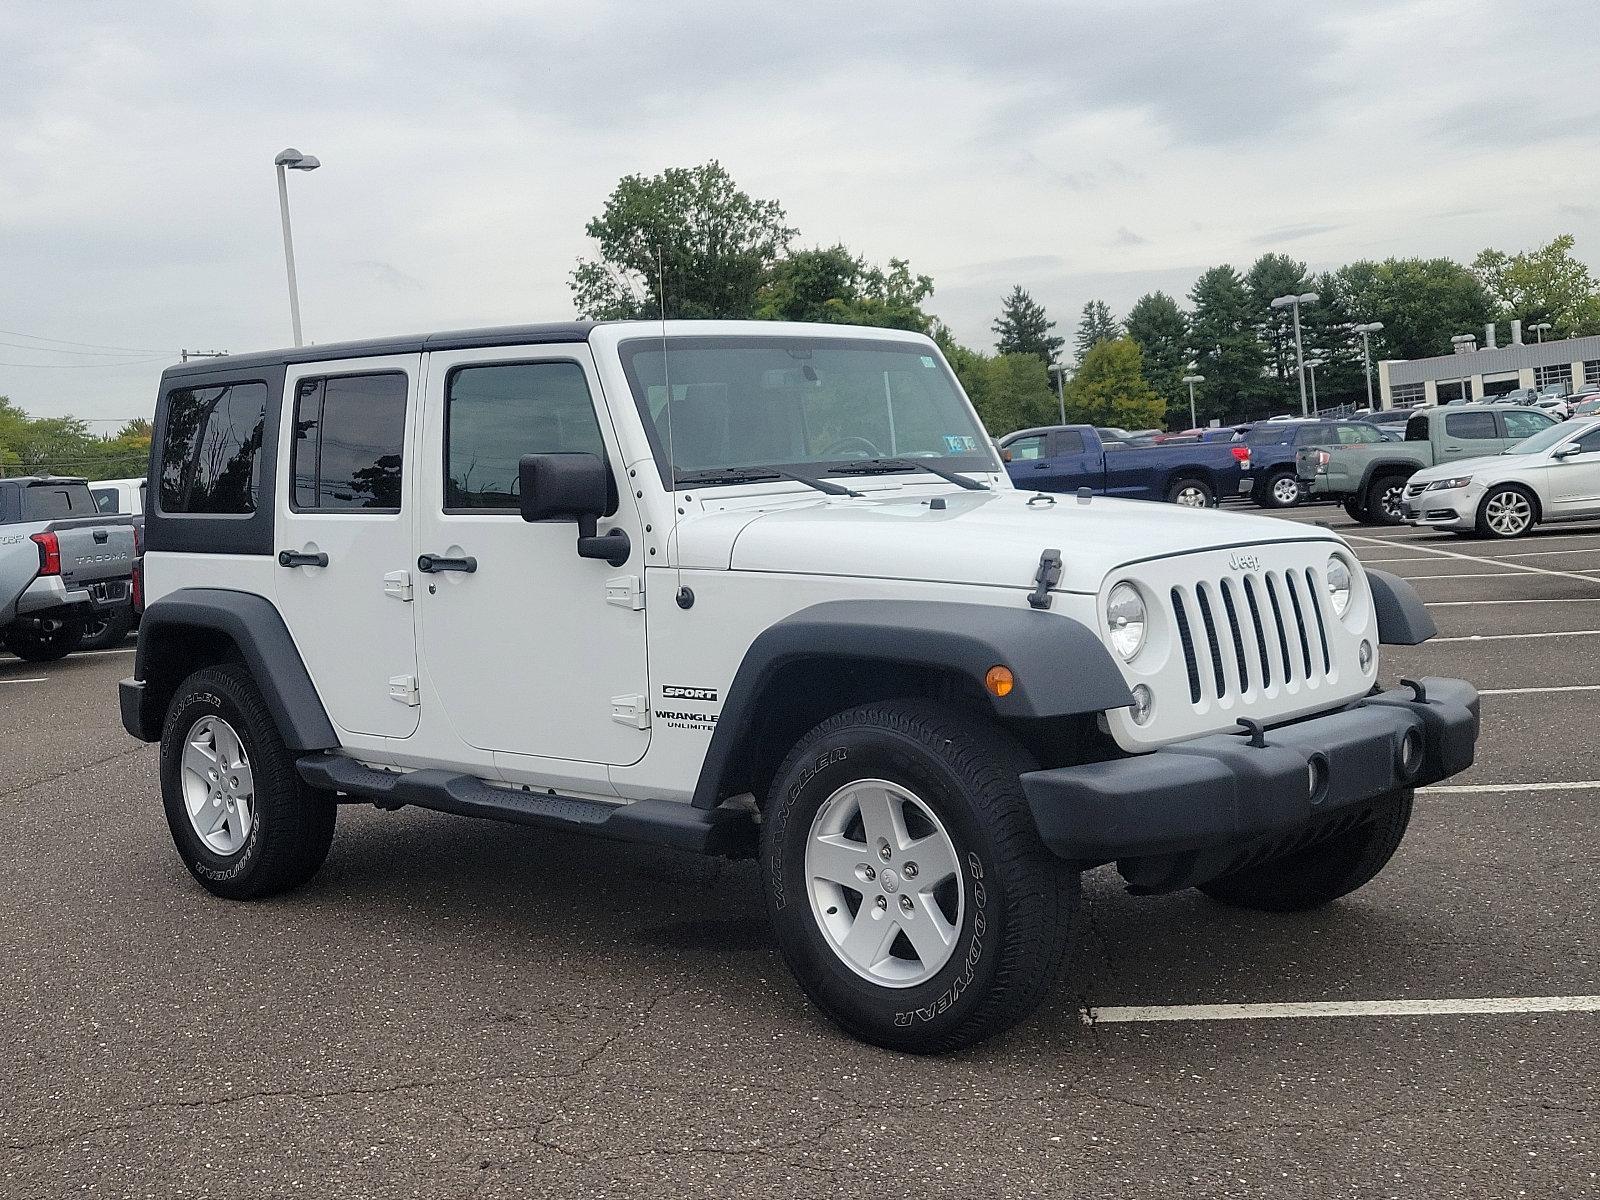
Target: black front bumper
{"x":1170,"y":817}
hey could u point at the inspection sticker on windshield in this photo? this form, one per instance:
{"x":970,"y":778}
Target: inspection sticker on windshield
{"x":957,"y":444}
{"x":927,"y":360}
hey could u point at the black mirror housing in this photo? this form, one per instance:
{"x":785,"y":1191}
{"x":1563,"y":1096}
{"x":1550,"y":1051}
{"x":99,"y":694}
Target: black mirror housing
{"x":563,"y":487}
{"x":573,"y":487}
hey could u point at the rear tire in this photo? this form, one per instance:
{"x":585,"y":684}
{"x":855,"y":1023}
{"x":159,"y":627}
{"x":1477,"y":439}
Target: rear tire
{"x":107,"y":630}
{"x":1384,"y":500}
{"x":1355,"y":509}
{"x":926,"y":958}
{"x":1321,"y":873}
{"x":1281,"y":489}
{"x":244,"y":822}
{"x":41,"y":644}
{"x":1192,"y":493}
{"x":1507,"y":511}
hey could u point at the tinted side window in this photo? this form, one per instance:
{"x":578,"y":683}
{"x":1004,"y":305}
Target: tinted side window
{"x":56,"y":501}
{"x":496,"y":414}
{"x":1068,"y":441}
{"x":1417,"y":428}
{"x":105,"y":499}
{"x":1473,"y":426}
{"x":1526,"y":424}
{"x":209,"y":448}
{"x":1590,"y":442}
{"x":1358,"y":435}
{"x":349,"y":435}
{"x":1027,"y":448}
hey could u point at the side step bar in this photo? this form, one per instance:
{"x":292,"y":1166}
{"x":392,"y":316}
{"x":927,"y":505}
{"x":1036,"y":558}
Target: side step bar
{"x":717,"y":831}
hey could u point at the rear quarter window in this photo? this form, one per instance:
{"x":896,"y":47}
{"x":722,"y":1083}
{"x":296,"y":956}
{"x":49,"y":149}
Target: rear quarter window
{"x":1470,"y":426}
{"x":211,"y":442}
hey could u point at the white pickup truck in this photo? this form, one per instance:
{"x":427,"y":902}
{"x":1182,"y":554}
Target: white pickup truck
{"x":61,"y":564}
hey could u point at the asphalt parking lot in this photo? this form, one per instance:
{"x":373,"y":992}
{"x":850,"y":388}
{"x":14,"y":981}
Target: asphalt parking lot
{"x":457,"y":1008}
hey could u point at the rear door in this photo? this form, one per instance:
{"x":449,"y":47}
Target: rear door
{"x":1028,"y":463}
{"x":1469,"y":435}
{"x":344,"y":520}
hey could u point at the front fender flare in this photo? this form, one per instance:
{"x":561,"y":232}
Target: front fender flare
{"x":1403,"y":619}
{"x":1061,"y":666}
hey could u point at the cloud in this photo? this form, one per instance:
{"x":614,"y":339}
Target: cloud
{"x":1127,"y":237}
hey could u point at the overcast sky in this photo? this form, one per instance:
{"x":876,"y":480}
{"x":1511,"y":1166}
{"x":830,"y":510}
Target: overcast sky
{"x":1084,"y":150}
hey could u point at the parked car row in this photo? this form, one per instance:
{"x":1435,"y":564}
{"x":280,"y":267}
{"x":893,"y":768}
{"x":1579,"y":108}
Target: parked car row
{"x":1066,"y":458}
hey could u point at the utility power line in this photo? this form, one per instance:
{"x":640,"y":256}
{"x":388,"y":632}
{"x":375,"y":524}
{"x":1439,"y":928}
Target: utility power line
{"x":87,"y":345}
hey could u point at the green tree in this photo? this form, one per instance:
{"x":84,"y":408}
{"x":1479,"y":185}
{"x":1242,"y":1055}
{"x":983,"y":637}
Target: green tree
{"x":64,"y":446}
{"x":1422,"y":303}
{"x":1109,"y":388}
{"x":834,"y":286}
{"x":1271,"y":276}
{"x":1096,"y":325}
{"x":1161,"y":330}
{"x":1015,"y":393}
{"x":1222,"y":336}
{"x":1543,"y":284}
{"x":1023,"y":328}
{"x":716,"y":245}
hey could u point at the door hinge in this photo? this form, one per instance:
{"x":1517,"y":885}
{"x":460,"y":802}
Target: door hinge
{"x":625,"y":591}
{"x":404,"y":689}
{"x":633,"y":711}
{"x":397,"y":584}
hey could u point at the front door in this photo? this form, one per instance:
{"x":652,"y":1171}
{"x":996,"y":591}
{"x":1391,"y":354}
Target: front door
{"x":344,"y":537}
{"x":532,"y":651}
{"x":1574,"y":482}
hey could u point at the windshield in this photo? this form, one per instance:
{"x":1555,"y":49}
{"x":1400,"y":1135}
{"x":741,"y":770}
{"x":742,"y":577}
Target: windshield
{"x":1543,"y":440}
{"x":809,"y":404}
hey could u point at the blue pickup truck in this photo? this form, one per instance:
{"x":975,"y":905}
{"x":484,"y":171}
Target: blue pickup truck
{"x":1271,"y":480}
{"x":1064,"y":458}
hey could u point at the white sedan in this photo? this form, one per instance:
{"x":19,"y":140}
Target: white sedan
{"x":1552,"y":476}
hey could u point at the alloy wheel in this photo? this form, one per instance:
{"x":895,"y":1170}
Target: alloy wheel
{"x":218,"y":787}
{"x":1285,"y":490}
{"x":885,"y":883}
{"x":1508,"y":513}
{"x":1192,"y":497}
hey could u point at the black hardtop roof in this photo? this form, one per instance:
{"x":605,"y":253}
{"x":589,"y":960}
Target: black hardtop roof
{"x":548,"y":333}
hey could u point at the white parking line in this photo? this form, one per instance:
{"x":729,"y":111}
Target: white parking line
{"x":1516,"y":567}
{"x":1485,"y":789}
{"x":1343,"y":1008}
{"x":1492,"y":557}
{"x":1530,"y":691}
{"x":81,"y":654}
{"x":40,"y":679}
{"x":1546,"y":600}
{"x":1507,"y":637}
{"x":1463,"y":575}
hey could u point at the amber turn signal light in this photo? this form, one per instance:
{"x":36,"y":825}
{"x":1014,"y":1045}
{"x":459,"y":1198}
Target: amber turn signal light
{"x":999,"y":681}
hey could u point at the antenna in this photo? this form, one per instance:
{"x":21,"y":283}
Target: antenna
{"x":685,"y":597}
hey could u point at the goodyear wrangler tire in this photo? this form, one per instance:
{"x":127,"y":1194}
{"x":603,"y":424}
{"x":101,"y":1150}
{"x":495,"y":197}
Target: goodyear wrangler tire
{"x":907,"y":886}
{"x":1321,"y":873}
{"x":244,"y":822}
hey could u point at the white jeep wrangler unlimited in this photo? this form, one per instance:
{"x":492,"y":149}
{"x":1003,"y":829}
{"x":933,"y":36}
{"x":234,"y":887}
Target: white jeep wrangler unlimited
{"x":764,"y":588}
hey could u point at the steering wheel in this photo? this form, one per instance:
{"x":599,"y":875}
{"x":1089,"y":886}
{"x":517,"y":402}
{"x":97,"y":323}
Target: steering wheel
{"x":841,"y":448}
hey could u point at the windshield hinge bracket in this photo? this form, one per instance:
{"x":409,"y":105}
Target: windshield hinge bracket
{"x":1045,"y":578}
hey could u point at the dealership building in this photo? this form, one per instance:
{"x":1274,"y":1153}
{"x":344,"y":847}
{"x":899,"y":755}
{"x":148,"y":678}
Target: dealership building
{"x":1477,"y":372}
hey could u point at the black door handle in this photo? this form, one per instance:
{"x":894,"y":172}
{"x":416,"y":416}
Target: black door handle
{"x":429,"y":563}
{"x":293,"y":558}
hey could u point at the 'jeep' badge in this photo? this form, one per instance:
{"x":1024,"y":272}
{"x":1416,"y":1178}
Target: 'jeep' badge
{"x":1244,"y":562}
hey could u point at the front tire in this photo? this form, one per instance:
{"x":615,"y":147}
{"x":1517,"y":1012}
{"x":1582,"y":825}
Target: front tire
{"x":47,"y":641}
{"x":1507,"y":511}
{"x":906,"y":883}
{"x":244,"y":822}
{"x":1192,"y":493}
{"x":1320,"y":874}
{"x":1355,"y":509}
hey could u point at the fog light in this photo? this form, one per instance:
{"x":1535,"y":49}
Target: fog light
{"x":1144,"y":704}
{"x":1317,"y":776}
{"x":999,"y":681}
{"x":1365,"y":656}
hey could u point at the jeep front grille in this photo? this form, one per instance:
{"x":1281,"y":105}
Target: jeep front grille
{"x":1240,"y":635}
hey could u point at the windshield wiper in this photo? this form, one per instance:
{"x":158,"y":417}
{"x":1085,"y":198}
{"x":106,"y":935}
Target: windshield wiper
{"x":878,"y":466}
{"x":761,"y":475}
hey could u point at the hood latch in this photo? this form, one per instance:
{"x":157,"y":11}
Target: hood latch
{"x":1046,"y":577}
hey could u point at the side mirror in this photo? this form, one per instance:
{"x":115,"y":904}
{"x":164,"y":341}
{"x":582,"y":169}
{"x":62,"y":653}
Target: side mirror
{"x":573,"y":487}
{"x":1567,"y":451}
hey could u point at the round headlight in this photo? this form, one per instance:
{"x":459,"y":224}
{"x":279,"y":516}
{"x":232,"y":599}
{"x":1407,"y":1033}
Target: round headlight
{"x":1125,"y":620}
{"x":1338,"y":578}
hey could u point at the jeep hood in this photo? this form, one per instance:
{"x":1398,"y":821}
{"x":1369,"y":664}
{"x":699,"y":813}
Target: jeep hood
{"x":992,"y":538}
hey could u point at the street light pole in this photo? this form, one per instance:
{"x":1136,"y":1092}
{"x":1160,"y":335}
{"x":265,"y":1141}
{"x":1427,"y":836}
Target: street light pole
{"x":1311,"y":365}
{"x":1061,"y":392}
{"x":1191,"y":380}
{"x":1294,"y":303}
{"x":291,"y":160}
{"x":1366,"y":356}
{"x":1538,"y":330}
